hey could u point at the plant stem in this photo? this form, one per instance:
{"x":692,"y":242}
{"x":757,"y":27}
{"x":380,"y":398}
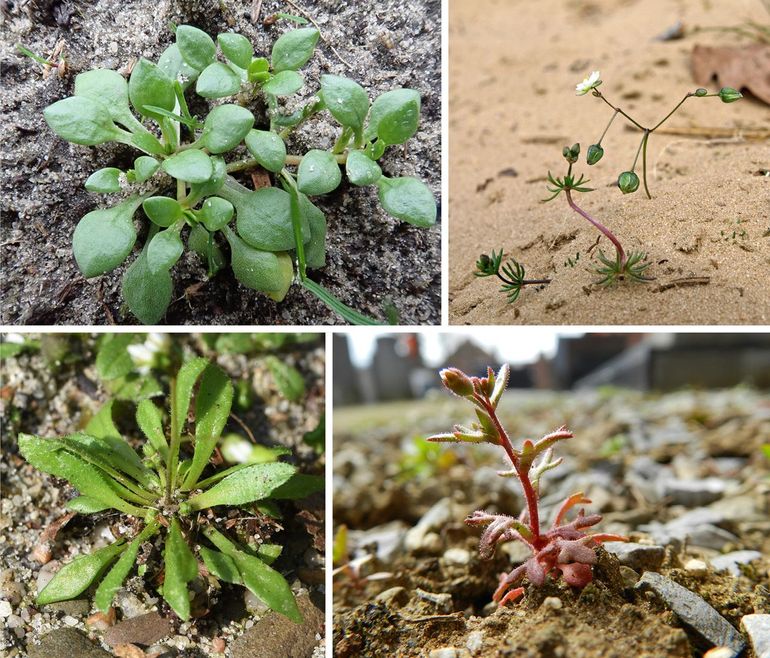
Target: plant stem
{"x":291,"y":160}
{"x":644,"y":163}
{"x":678,"y":105}
{"x":296,"y":224}
{"x":600,"y":226}
{"x":617,"y":109}
{"x":173,"y":451}
{"x":524,"y":282}
{"x":639,"y":150}
{"x":614,"y":114}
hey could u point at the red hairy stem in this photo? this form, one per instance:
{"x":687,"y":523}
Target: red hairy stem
{"x":609,"y":235}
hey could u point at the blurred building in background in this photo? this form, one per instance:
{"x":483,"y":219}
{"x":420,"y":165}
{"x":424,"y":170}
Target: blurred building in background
{"x":663,"y":361}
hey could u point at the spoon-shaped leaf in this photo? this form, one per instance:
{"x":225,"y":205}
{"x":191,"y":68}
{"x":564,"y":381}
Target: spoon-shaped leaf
{"x":197,"y":48}
{"x":111,"y":89}
{"x":147,"y":293}
{"x":408,"y":199}
{"x":394,"y":116}
{"x":318,"y":173}
{"x":191,"y":166}
{"x":284,"y":83}
{"x":293,"y":49}
{"x":347,"y":101}
{"x":164,"y":250}
{"x":225,"y":127}
{"x":181,"y":568}
{"x":315,"y":247}
{"x":236,"y":48}
{"x":362,"y":170}
{"x":268,"y":149}
{"x":82,"y":120}
{"x":149,"y":85}
{"x":173,"y":65}
{"x":266,"y":271}
{"x":217,"y":80}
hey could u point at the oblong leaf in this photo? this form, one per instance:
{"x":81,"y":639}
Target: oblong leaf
{"x":244,"y":486}
{"x":103,"y":238}
{"x":191,"y":166}
{"x":215,"y":213}
{"x":283,"y":83}
{"x":220,"y":565}
{"x":104,"y":181}
{"x":181,"y":568}
{"x":409,"y":199}
{"x":260,"y":270}
{"x":268,"y":149}
{"x":173,"y":65}
{"x":225,"y":127}
{"x":75,"y":577}
{"x":81,"y":120}
{"x":347,"y":101}
{"x":162,"y":210}
{"x":186,"y":379}
{"x":147,"y":293}
{"x":269,"y":585}
{"x":197,"y":48}
{"x":293,"y":49}
{"x":318,"y":173}
{"x":111,"y":89}
{"x":150,"y":421}
{"x":288,"y":380}
{"x":236,"y":48}
{"x":212,"y":409}
{"x":112,"y":582}
{"x":217,"y":80}
{"x":149,"y":85}
{"x":263,"y":217}
{"x":164,"y":250}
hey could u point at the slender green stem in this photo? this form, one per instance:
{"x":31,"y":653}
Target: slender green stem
{"x":296,"y":225}
{"x":639,"y":150}
{"x":644,"y":163}
{"x":598,"y":94}
{"x":614,"y":114}
{"x":523,"y":282}
{"x":173,"y":451}
{"x":291,"y":160}
{"x":678,"y":105}
{"x":610,"y":236}
{"x":342,"y":141}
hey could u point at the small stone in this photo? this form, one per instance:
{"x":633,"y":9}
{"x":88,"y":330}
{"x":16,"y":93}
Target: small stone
{"x":435,"y":518}
{"x":552,"y":602}
{"x":719,"y":652}
{"x":693,"y":611}
{"x":395,"y":597}
{"x":14,"y":621}
{"x":46,"y":573}
{"x":70,"y":621}
{"x":6,"y":610}
{"x":629,"y":576}
{"x":457,"y":556}
{"x":100,"y":621}
{"x":730,"y":561}
{"x":640,"y":557}
{"x":449,"y":652}
{"x":758,"y":629}
{"x":696,"y":567}
{"x":694,"y":493}
{"x":73,"y":607}
{"x":442,"y":600}
{"x":254,"y":604}
{"x":130,"y":604}
{"x":144,"y":629}
{"x":218,"y":645}
{"x":66,"y":643}
{"x":475,"y":641}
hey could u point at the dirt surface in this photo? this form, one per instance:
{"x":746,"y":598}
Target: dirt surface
{"x":411,"y":593}
{"x":707,"y":229}
{"x":373,"y":260}
{"x":55,"y":391}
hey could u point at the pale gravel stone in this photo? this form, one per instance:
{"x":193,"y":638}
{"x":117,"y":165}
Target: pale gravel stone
{"x":6,"y":610}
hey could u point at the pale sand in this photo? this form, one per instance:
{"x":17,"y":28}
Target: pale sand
{"x":514,"y":65}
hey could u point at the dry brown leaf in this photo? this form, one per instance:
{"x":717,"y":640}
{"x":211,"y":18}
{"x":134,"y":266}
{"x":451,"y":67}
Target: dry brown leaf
{"x":742,"y":67}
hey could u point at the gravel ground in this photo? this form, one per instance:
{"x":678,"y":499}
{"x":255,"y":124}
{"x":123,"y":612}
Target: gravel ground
{"x":53,"y":396}
{"x":373,"y":260}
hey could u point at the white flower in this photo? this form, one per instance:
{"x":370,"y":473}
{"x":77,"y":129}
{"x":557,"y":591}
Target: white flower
{"x":591,"y":82}
{"x":144,"y":355}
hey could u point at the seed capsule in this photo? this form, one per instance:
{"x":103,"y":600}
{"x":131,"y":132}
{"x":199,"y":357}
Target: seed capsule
{"x":628,"y":182}
{"x":595,"y":153}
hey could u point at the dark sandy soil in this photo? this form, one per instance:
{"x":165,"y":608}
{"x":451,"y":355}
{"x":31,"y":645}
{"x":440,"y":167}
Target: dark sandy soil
{"x":373,"y":260}
{"x":425,"y":588}
{"x":54,"y":392}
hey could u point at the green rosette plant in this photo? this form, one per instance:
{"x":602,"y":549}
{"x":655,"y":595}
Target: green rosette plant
{"x":182,"y":180}
{"x":172,"y":497}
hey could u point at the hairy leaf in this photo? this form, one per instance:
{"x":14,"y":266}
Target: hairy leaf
{"x":249,"y":484}
{"x":181,"y":568}
{"x":113,"y":359}
{"x":186,"y":379}
{"x":212,"y":409}
{"x":150,"y":421}
{"x":74,"y":578}
{"x":220,"y":565}
{"x":147,"y":293}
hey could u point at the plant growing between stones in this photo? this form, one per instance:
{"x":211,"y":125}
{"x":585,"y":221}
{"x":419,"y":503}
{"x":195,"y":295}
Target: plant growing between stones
{"x":564,"y":549}
{"x":624,"y":265}
{"x":171,"y":497}
{"x":275,"y":234}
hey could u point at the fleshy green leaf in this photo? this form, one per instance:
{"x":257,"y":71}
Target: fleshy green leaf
{"x":225,"y":127}
{"x":86,"y":505}
{"x":164,"y":250}
{"x":104,"y":181}
{"x":202,"y":243}
{"x":213,"y":184}
{"x":361,"y":170}
{"x":173,"y":65}
{"x":283,"y":83}
{"x":113,"y":361}
{"x":288,"y":380}
{"x":49,"y":456}
{"x":147,"y":142}
{"x":258,"y":70}
{"x":395,"y":116}
{"x":217,"y":80}
{"x":299,"y":486}
{"x":148,"y":85}
{"x":162,"y":210}
{"x":318,"y":173}
{"x":345,"y":99}
{"x":150,"y":421}
{"x":212,"y":409}
{"x":215,"y":213}
{"x":192,"y":166}
{"x":112,"y":582}
{"x":74,"y":578}
{"x":144,"y":168}
{"x":265,"y":271}
{"x":244,"y":486}
{"x":181,"y":568}
{"x":104,"y":238}
{"x":81,"y":120}
{"x":220,"y":565}
{"x":293,"y":49}
{"x":111,"y":90}
{"x":236,"y":48}
{"x":315,"y":247}
{"x":268,"y":149}
{"x":197,"y":48}
{"x":263,"y":216}
{"x":147,"y":293}
{"x":408,"y":199}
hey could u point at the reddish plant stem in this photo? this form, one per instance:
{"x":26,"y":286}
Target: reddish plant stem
{"x":599,"y":225}
{"x":529,"y":491}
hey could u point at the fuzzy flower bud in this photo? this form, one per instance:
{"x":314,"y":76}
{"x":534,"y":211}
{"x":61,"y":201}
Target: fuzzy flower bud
{"x":729,"y":95}
{"x":457,"y":382}
{"x":595,"y":153}
{"x":628,"y":182}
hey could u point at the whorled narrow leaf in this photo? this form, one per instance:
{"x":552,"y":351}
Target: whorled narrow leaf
{"x":212,"y":409}
{"x":74,"y":578}
{"x":181,"y":568}
{"x":244,"y":486}
{"x":112,"y":582}
{"x":49,"y":456}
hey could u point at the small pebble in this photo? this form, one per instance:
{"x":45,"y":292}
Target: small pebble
{"x":457,"y":556}
{"x":395,"y":597}
{"x":696,"y":567}
{"x":629,"y":576}
{"x":449,"y":652}
{"x":553,"y":602}
{"x":719,"y":652}
{"x":758,"y":629}
{"x":14,"y":621}
{"x":475,"y":641}
{"x":70,"y":621}
{"x":5,"y":609}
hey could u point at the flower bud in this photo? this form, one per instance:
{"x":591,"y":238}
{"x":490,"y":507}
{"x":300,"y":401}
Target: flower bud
{"x":701,"y":92}
{"x":729,"y":95}
{"x":628,"y":182}
{"x":595,"y":153}
{"x":571,"y":153}
{"x":457,"y":382}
